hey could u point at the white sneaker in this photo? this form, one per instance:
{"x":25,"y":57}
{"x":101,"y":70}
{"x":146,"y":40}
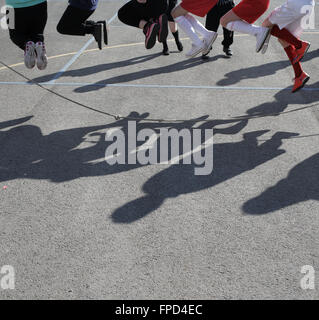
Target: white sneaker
{"x":42,"y":60}
{"x":209,"y":41}
{"x":262,"y":37}
{"x":266,"y":44}
{"x":196,"y":50}
{"x":30,"y":55}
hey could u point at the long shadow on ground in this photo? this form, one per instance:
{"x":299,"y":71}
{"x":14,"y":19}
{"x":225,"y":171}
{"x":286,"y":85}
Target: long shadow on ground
{"x":300,"y":185}
{"x":73,"y":153}
{"x":261,"y":71}
{"x":80,"y":152}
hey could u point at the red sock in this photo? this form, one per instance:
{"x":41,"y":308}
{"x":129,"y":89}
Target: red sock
{"x":290,"y":51}
{"x":284,"y":34}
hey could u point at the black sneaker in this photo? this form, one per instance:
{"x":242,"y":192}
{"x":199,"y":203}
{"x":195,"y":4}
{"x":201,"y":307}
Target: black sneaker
{"x":89,"y":23}
{"x":179,"y":46}
{"x":105,"y":31}
{"x":228,"y":51}
{"x":97,"y":33}
{"x":165,"y":51}
{"x":151,"y":31}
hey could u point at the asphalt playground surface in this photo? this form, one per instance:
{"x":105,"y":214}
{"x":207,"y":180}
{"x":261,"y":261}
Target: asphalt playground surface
{"x":76,"y":227}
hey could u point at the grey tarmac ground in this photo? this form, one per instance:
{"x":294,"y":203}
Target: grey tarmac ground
{"x":73,"y":226}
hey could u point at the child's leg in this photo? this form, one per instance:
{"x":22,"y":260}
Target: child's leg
{"x":173,"y":26}
{"x":19,"y":35}
{"x":156,"y":8}
{"x":132,"y":14}
{"x":198,"y":27}
{"x":17,"y":38}
{"x":287,"y":22}
{"x":175,"y":33}
{"x":243,"y":15}
{"x":154,"y":11}
{"x":179,"y":14}
{"x":228,"y":35}
{"x":138,"y":15}
{"x":228,"y":38}
{"x":165,"y":49}
{"x":165,"y":46}
{"x":212,"y":19}
{"x":291,"y":53}
{"x":157,"y":26}
{"x":212,"y":24}
{"x":284,"y":34}
{"x":29,"y":28}
{"x":209,"y":36}
{"x":73,"y":22}
{"x":301,"y":78}
{"x":38,"y":20}
{"x":234,"y":22}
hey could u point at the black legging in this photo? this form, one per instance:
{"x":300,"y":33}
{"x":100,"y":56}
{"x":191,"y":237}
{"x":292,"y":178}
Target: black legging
{"x":133,"y":12}
{"x":213,"y":20}
{"x":72,"y":21}
{"x":30,"y":23}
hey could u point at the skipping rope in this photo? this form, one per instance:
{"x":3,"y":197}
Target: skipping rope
{"x":119,"y":117}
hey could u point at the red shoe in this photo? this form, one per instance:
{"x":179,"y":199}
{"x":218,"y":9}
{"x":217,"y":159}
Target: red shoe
{"x":300,"y":82}
{"x":301,"y":52}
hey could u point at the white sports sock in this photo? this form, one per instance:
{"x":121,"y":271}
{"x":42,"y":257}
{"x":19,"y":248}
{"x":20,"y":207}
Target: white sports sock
{"x":198,"y":27}
{"x":185,"y":25}
{"x":243,"y":27}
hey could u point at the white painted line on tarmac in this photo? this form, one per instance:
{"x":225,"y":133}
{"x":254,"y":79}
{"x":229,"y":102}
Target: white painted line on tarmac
{"x":154,"y":86}
{"x":68,"y":65}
